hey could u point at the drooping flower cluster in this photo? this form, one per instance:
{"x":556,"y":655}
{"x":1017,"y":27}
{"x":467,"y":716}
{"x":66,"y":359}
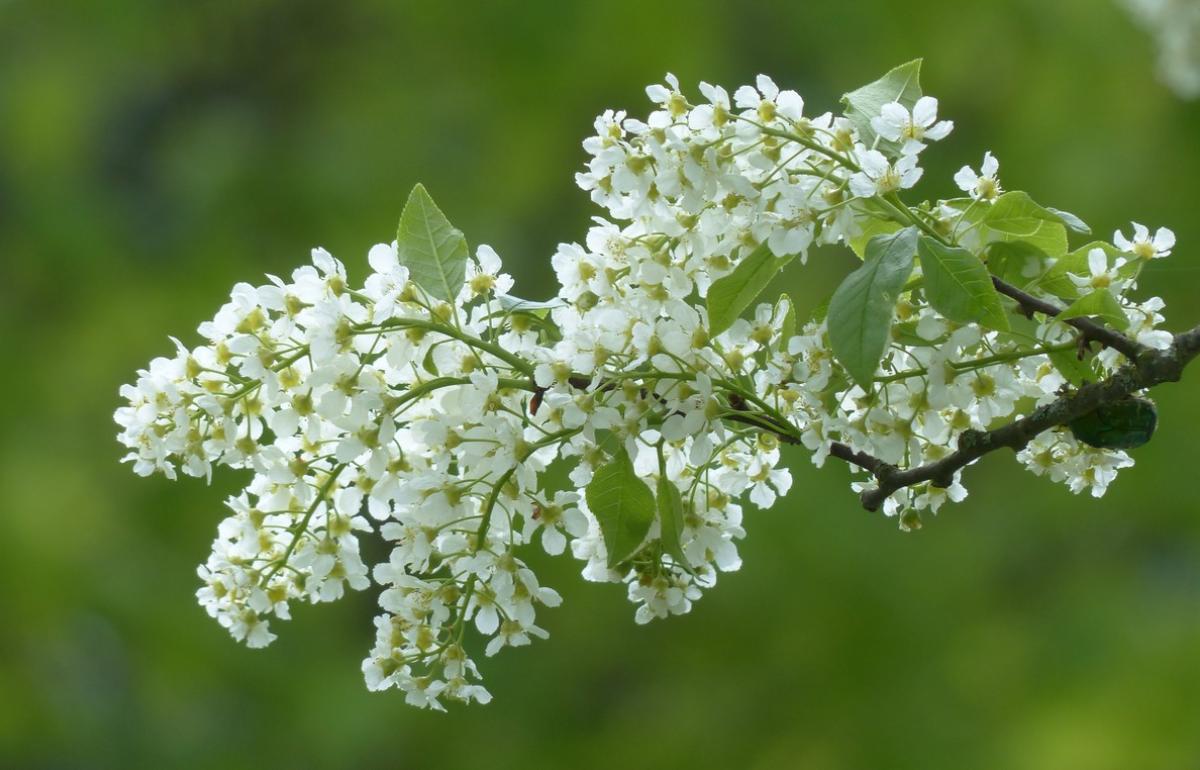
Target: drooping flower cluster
{"x":425,"y":407}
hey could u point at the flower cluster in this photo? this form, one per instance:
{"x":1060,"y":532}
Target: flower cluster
{"x":425,"y":406}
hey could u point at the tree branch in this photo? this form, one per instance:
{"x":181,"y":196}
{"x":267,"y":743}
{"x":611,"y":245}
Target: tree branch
{"x":1147,"y":368}
{"x":1091,"y":331}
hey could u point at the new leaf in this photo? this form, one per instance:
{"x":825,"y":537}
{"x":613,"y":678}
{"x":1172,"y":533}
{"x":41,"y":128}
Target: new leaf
{"x":1100,"y":303}
{"x":623,"y":505}
{"x":902,"y":84}
{"x":959,"y":286}
{"x":1016,"y":217}
{"x":729,"y":296}
{"x":861,"y":310}
{"x":433,"y":250}
{"x":670,"y":521}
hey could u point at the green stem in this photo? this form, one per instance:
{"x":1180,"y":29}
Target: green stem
{"x":512,"y":360}
{"x":981,"y":363}
{"x":302,"y":527}
{"x":490,"y":505}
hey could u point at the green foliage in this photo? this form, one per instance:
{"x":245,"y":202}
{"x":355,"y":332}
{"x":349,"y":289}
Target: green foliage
{"x":517,"y":305}
{"x":870,"y":229}
{"x":901,"y":84}
{"x":622,"y":504}
{"x":861,"y":310}
{"x":433,"y":250}
{"x":1073,"y":223}
{"x":958,"y":285}
{"x":787,"y":328}
{"x":730,"y":295}
{"x":1100,"y":303}
{"x":670,"y":519}
{"x":1016,"y":262}
{"x":1056,"y":279}
{"x":1076,"y":371}
{"x":1015,"y":217}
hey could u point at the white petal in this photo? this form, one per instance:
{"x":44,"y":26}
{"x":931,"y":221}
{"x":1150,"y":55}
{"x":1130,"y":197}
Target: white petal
{"x":746,"y":98}
{"x":925,"y":111}
{"x":382,"y":258}
{"x":990,"y":164}
{"x":1164,"y":240}
{"x":966,"y":179}
{"x":658,"y":94}
{"x":766,"y":86}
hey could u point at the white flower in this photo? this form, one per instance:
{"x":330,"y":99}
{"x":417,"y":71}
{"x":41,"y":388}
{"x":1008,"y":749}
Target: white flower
{"x":1142,"y":245}
{"x":983,"y":186}
{"x":768,"y":101}
{"x":880,"y":177}
{"x":669,"y":97}
{"x":1100,"y":275}
{"x":557,"y":520}
{"x":483,"y":276}
{"x":897,"y":124}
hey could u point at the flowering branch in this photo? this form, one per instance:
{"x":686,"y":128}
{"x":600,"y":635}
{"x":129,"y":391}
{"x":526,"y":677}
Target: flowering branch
{"x":1091,"y":331}
{"x":425,"y":406}
{"x":1153,"y":367}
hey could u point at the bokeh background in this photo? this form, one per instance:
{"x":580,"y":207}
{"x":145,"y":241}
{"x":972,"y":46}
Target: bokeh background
{"x":153,"y":153}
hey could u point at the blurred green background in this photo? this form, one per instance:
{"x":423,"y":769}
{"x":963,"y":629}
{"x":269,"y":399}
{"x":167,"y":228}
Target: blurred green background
{"x":153,"y":153}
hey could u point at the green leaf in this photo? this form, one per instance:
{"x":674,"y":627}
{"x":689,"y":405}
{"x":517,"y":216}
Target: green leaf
{"x":787,"y":329}
{"x":729,"y":296}
{"x":1016,"y":262}
{"x":1074,"y":370}
{"x":432,"y":249}
{"x":1071,"y":221}
{"x":1015,"y":217}
{"x":861,"y":310}
{"x":429,"y":364}
{"x":959,"y":287}
{"x":1056,"y":281}
{"x":1100,"y":303}
{"x":902,"y":84}
{"x":872,"y":227}
{"x":517,"y":305}
{"x":670,"y":521}
{"x":623,"y":505}
{"x":906,"y":334}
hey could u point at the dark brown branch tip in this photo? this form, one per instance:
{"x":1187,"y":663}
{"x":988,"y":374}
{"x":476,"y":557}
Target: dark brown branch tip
{"x":1090,"y":330}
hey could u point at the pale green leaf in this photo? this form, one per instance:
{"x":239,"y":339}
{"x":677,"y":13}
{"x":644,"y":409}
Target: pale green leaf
{"x":1016,"y":262}
{"x":1099,"y":303}
{"x":1015,"y":217}
{"x":623,"y":506}
{"x":517,"y":305}
{"x":670,"y":521}
{"x":730,"y":295}
{"x":959,"y":286}
{"x":902,"y":84}
{"x":1056,"y":279}
{"x":1070,"y":367}
{"x":787,"y":328}
{"x":870,"y":228}
{"x":862,"y":308}
{"x":429,"y":364}
{"x":1071,"y":221}
{"x":432,"y":249}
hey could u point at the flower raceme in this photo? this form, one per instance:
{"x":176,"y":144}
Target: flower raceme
{"x":425,"y":406}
